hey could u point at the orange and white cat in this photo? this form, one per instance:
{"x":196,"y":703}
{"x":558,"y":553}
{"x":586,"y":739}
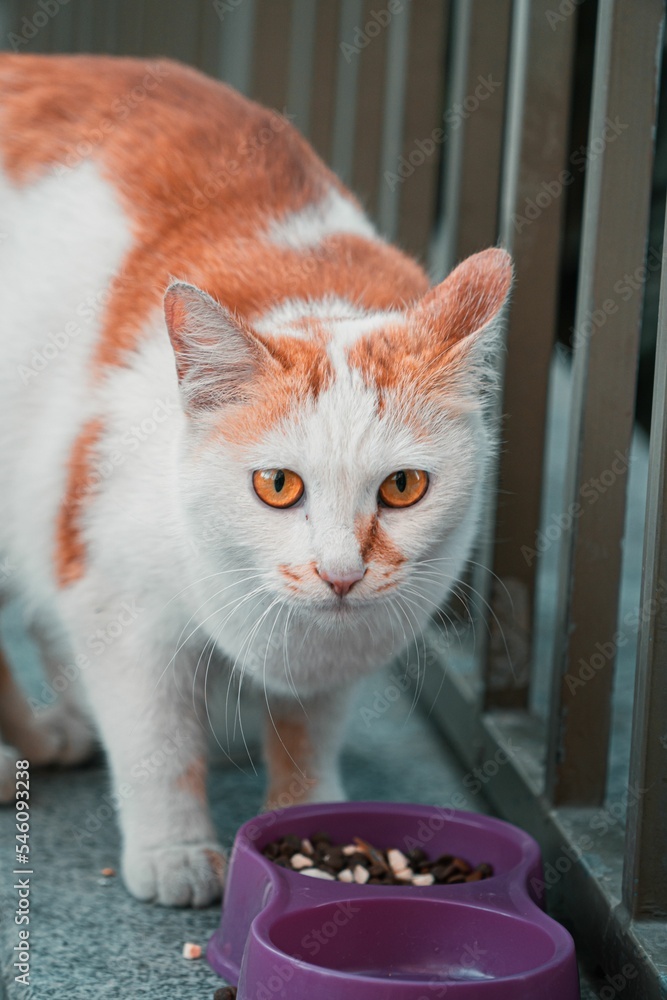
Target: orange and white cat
{"x":200,"y":327}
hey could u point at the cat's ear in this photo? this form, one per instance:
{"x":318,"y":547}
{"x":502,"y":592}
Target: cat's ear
{"x":459,"y":321}
{"x":218,"y":360}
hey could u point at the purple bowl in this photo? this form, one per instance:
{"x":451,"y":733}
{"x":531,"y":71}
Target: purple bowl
{"x":284,"y":936}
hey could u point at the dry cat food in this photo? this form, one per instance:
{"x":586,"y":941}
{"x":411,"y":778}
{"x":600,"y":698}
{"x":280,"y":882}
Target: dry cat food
{"x":225,"y":993}
{"x":360,"y":862}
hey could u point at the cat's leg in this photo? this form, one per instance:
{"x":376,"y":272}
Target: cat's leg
{"x":65,"y":719}
{"x":57,"y":734}
{"x":23,"y":734}
{"x":143,"y":704}
{"x":302,"y":749}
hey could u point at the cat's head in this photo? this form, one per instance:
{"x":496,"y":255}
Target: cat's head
{"x":341,"y":449}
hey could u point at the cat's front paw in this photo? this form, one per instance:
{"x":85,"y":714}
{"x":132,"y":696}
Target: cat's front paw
{"x":177,"y":875}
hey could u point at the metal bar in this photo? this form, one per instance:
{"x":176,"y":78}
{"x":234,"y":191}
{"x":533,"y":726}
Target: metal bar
{"x":175,"y":34}
{"x":474,"y":124}
{"x":535,"y":173}
{"x":131,"y":21}
{"x":394,"y":115}
{"x":10,"y":38}
{"x":351,"y":13}
{"x":302,"y":51}
{"x":370,"y":107}
{"x":582,"y":848}
{"x":645,"y":876}
{"x":620,"y":156}
{"x":423,"y":129}
{"x":326,"y":59}
{"x":270,"y":53}
{"x":237,"y":26}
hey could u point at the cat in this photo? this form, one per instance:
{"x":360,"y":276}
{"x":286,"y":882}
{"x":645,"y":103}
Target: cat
{"x":200,"y":327}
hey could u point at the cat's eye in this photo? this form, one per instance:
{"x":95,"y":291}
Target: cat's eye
{"x":278,"y":487}
{"x":403,"y":488}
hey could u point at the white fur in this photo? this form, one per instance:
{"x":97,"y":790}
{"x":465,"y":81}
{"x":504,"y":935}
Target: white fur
{"x":308,"y":227}
{"x":182,"y":556}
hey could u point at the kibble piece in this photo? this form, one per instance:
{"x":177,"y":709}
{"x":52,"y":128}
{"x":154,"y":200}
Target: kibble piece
{"x":317,"y":873}
{"x":345,"y":876}
{"x":334,"y":858}
{"x":301,"y":861}
{"x":405,"y":874}
{"x":397,"y":860}
{"x":361,"y":874}
{"x":422,"y":880}
{"x":350,"y":849}
{"x":320,"y":839}
{"x":191,"y":950}
{"x":225,"y":993}
{"x":307,"y":847}
{"x":417,"y":857}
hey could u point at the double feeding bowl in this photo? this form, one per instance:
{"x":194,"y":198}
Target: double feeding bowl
{"x":287,"y":936}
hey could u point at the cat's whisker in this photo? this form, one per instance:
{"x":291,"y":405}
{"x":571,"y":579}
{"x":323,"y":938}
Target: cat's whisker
{"x":233,"y":676}
{"x":201,"y":579}
{"x":208,"y":599}
{"x":472,"y":562}
{"x":446,"y":621}
{"x":421,"y":673}
{"x":246,"y":645}
{"x":205,"y":699}
{"x":286,"y":662}
{"x":172,"y":660}
{"x":416,"y":645}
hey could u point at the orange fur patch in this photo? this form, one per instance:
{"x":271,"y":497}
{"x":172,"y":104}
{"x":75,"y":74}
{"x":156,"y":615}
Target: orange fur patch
{"x":193,"y":779}
{"x":288,"y":752}
{"x":438,"y":327}
{"x":375,"y":544}
{"x":70,"y":547}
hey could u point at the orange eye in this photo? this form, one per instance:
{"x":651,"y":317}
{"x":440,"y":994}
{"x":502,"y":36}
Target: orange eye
{"x":403,"y":488}
{"x":278,"y":487}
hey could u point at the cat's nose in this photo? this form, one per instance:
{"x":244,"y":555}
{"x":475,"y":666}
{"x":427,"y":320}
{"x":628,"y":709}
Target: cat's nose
{"x":341,"y":583}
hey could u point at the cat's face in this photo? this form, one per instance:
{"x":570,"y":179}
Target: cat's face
{"x":344,"y":455}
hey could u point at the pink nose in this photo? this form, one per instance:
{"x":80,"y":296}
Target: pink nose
{"x":341,"y":583}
